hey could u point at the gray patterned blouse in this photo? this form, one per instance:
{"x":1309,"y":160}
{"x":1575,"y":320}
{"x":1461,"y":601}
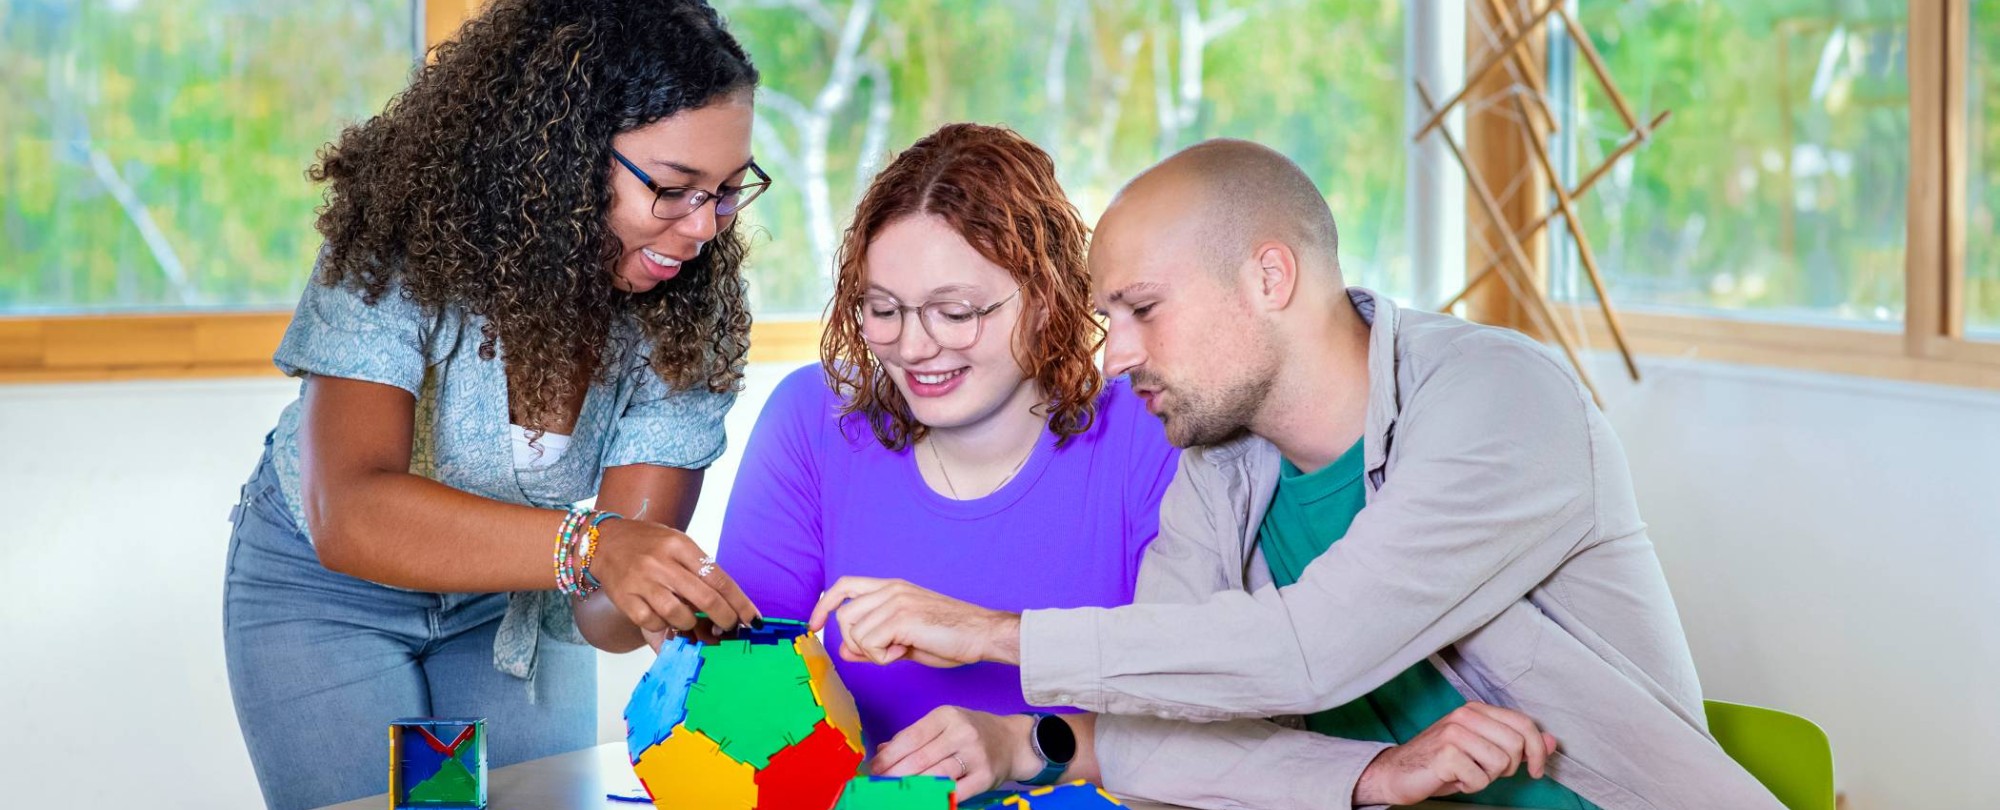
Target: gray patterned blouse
{"x":462,"y":425}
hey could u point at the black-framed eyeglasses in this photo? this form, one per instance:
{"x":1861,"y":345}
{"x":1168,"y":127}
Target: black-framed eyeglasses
{"x":674,"y":202}
{"x":951,"y":324}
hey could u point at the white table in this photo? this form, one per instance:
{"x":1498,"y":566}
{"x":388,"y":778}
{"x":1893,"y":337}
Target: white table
{"x":580,"y":780}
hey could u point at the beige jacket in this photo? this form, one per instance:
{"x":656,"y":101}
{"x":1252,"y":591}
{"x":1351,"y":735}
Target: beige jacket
{"x":1501,"y":541}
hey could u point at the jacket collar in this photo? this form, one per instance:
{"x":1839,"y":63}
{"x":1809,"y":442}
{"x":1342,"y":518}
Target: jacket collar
{"x":1384,"y":320}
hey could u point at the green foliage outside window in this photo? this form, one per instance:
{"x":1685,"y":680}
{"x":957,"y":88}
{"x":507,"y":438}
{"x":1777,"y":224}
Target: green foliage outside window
{"x":1982,"y":187}
{"x":153,"y":152}
{"x":1779,"y":186}
{"x":1107,"y":87}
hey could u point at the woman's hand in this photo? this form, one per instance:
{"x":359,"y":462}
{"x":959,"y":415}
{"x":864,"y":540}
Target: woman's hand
{"x":981,"y":751}
{"x":658,"y":578}
{"x":653,"y":639}
{"x":706,"y":632}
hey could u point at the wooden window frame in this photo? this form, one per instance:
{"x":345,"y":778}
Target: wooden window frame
{"x":1931,"y":345}
{"x":99,"y":347}
{"x":1939,"y":165}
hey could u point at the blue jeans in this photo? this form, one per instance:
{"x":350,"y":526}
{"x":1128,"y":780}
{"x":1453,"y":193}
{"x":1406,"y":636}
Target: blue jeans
{"x":320,"y":663}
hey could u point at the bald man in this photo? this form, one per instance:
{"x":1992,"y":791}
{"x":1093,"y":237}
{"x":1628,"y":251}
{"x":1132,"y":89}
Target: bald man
{"x":1389,"y":524}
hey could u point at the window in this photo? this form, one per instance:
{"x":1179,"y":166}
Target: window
{"x":1825,"y":196}
{"x":1778,"y":188}
{"x":1106,"y":88}
{"x":155,"y":153}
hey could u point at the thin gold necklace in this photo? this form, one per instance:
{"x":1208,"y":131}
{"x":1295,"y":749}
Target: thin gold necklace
{"x":996,"y":487}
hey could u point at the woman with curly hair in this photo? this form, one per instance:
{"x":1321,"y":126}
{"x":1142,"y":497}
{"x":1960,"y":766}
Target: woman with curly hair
{"x":529,"y":295}
{"x":956,"y":434}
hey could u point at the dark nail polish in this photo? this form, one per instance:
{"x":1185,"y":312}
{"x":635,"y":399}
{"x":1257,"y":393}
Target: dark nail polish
{"x":757,"y":623}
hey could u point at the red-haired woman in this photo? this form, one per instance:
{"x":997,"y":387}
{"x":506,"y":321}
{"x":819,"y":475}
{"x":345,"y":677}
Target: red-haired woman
{"x":956,"y":434}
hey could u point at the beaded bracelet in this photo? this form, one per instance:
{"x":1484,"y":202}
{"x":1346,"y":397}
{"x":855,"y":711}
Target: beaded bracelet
{"x":576,"y":549}
{"x":566,"y":552}
{"x":590,"y":582}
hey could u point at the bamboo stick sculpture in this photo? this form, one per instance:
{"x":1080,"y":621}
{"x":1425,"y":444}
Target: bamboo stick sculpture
{"x":1536,"y":118}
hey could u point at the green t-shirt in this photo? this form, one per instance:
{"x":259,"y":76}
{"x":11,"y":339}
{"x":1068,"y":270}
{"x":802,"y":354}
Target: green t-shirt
{"x":1311,"y":512}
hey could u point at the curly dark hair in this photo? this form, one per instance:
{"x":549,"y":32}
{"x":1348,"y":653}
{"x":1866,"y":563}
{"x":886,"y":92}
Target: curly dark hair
{"x":486,"y":185}
{"x":999,"y":191}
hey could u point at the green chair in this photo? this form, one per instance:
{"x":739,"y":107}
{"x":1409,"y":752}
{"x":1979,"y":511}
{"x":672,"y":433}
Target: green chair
{"x":1786,"y":752}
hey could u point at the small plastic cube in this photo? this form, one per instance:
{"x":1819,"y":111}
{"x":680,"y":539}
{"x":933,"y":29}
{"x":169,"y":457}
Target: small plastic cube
{"x":437,"y":762}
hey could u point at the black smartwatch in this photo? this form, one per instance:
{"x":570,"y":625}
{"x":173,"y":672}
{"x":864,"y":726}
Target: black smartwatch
{"x":1055,"y":743}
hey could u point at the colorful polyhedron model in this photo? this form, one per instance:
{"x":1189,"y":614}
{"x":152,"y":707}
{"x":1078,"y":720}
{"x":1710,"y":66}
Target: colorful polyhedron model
{"x":902,"y":793}
{"x":437,"y":762}
{"x":1078,"y":795}
{"x":758,"y":722}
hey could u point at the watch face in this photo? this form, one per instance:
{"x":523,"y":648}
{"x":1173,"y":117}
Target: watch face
{"x":1054,"y":737}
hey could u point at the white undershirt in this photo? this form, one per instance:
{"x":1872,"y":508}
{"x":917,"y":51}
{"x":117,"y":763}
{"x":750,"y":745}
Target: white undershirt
{"x":544,"y":453}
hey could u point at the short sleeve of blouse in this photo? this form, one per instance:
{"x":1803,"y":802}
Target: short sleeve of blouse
{"x":336,"y":333}
{"x":667,"y":426}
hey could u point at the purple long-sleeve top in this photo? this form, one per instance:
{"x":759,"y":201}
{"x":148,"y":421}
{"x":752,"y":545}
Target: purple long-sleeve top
{"x":818,"y":498}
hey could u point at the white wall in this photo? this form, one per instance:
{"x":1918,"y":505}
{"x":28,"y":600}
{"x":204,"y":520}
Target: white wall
{"x":1833,"y":544}
{"x":1830,"y":541}
{"x":114,"y":500}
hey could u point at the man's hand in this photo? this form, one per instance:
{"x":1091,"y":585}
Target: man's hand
{"x":1462,"y":753}
{"x":979,"y":751}
{"x":888,"y":620}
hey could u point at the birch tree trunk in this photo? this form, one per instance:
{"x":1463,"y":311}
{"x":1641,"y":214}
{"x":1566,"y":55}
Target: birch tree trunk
{"x":811,"y":125}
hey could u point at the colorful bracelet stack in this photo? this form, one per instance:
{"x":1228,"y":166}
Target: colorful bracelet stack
{"x":576,"y":549}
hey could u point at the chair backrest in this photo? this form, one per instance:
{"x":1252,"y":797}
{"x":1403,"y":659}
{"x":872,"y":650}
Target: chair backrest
{"x":1786,"y":752}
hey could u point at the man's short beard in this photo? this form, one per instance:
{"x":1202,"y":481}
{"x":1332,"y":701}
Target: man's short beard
{"x":1218,"y":416}
{"x":1221,"y":413}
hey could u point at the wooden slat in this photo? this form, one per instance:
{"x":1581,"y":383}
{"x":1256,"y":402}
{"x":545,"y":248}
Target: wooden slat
{"x":122,"y":347}
{"x":1957,"y":62}
{"x":1811,"y":348}
{"x":1584,"y":254}
{"x":1522,"y":271}
{"x":20,"y":343}
{"x":443,"y":17}
{"x":1532,"y":73}
{"x":1588,"y":48}
{"x":1532,"y":32}
{"x":118,"y":343}
{"x":1630,"y":143}
{"x":219,"y":343}
{"x":95,"y":375}
{"x":1732,"y":331}
{"x":785,"y":341}
{"x":1499,"y":152}
{"x":1815,"y":349}
{"x":1974,"y":352}
{"x":240,"y":340}
{"x":1924,"y":251}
